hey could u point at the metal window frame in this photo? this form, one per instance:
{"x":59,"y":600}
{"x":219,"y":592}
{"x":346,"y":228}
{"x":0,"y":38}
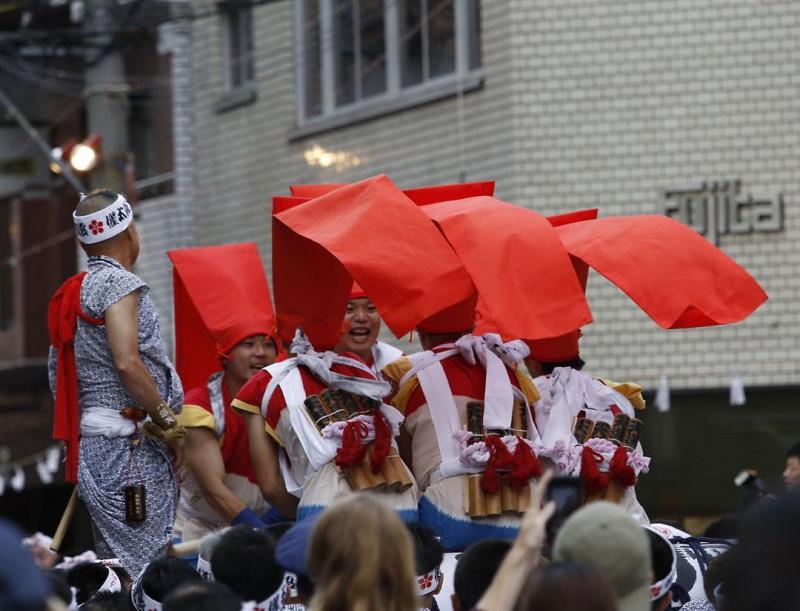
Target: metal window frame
{"x":396,"y":96}
{"x":245,"y":57}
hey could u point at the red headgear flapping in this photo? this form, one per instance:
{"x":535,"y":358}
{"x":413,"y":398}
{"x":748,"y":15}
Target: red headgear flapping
{"x":221,"y":297}
{"x":368,"y":232}
{"x":526,"y":284}
{"x":677,"y":277}
{"x":556,"y":349}
{"x":564,"y":347}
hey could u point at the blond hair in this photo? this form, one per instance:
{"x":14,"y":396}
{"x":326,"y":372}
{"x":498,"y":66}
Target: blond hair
{"x":361,"y":559}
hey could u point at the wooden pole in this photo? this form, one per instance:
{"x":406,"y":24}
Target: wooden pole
{"x":66,"y":519}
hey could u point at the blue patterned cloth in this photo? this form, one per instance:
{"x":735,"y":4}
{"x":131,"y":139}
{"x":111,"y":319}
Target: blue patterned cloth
{"x":104,"y":468}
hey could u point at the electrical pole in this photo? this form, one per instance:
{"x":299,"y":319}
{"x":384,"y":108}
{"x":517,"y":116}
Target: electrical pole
{"x":106,"y":95}
{"x":34,"y":135}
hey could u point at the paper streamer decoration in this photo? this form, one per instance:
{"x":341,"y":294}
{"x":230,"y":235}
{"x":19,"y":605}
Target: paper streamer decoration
{"x":43,"y":472}
{"x":662,"y":396}
{"x":46,"y":463}
{"x":53,"y":455}
{"x":18,"y":479}
{"x":737,"y":396}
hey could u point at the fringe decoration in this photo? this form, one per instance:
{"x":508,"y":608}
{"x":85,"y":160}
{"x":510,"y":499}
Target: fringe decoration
{"x":352,"y":450}
{"x":594,"y":481}
{"x":620,"y":470}
{"x":526,"y":465}
{"x":499,"y":458}
{"x":383,"y":441}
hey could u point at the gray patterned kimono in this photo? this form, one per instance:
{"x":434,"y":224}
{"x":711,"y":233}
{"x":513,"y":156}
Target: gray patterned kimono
{"x":103,"y":462}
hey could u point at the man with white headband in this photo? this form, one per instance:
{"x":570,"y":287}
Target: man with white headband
{"x":115,"y":390}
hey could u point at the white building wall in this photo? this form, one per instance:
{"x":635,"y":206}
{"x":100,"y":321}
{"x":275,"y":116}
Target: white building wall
{"x":585,"y":103}
{"x":244,"y":155}
{"x":617,"y":101}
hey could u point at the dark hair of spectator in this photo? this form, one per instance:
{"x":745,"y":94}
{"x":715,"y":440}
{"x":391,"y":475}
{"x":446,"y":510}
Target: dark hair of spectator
{"x":305,"y":587}
{"x":59,"y":585}
{"x":244,"y":560}
{"x":164,"y":575}
{"x":107,"y":601}
{"x":762,"y":571}
{"x":661,"y":552}
{"x":276,"y":531}
{"x":476,"y":569}
{"x":86,"y":577}
{"x":716,"y":573}
{"x":794,"y":451}
{"x":577,"y":364}
{"x":202,"y":596}
{"x":428,"y":550}
{"x":566,"y":586}
{"x":724,"y":528}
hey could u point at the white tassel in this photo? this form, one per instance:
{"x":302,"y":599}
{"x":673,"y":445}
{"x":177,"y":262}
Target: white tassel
{"x":18,"y":479}
{"x":42,"y":471}
{"x":53,"y":455}
{"x":737,"y":396}
{"x":662,"y":396}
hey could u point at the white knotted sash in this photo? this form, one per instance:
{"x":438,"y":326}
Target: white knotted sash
{"x":285,"y":375}
{"x":107,"y":422}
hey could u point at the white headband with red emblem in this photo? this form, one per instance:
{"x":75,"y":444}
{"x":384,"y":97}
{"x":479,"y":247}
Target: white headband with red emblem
{"x":103,"y":224}
{"x":661,"y":587}
{"x":428,"y":582}
{"x":204,"y":569}
{"x":112,"y":583}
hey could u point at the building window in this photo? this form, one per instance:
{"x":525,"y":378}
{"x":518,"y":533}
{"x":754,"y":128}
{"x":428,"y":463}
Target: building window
{"x":239,"y":63}
{"x":357,"y":53}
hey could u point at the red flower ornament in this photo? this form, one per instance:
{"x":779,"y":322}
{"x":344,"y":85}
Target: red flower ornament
{"x":96,"y":227}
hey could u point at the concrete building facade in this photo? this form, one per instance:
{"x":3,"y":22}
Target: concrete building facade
{"x":680,"y":107}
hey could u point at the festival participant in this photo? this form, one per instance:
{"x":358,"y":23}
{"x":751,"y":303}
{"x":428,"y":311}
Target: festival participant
{"x":325,"y":409}
{"x":111,"y":373}
{"x":272,"y":398}
{"x":665,"y":569}
{"x":220,"y":487}
{"x":363,"y":323}
{"x":476,"y":568}
{"x":791,"y":474}
{"x":462,"y":381}
{"x":158,"y":579}
{"x":244,"y":560}
{"x":569,"y":395}
{"x":202,"y":596}
{"x":588,"y":426}
{"x":428,"y":559}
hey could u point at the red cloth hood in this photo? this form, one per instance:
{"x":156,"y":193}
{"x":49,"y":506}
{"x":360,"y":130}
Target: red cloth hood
{"x":221,"y":297}
{"x":675,"y":275}
{"x":564,"y":347}
{"x":527,"y":286}
{"x":420,"y":196}
{"x":370,"y":233}
{"x":356,"y":292}
{"x":556,"y":349}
